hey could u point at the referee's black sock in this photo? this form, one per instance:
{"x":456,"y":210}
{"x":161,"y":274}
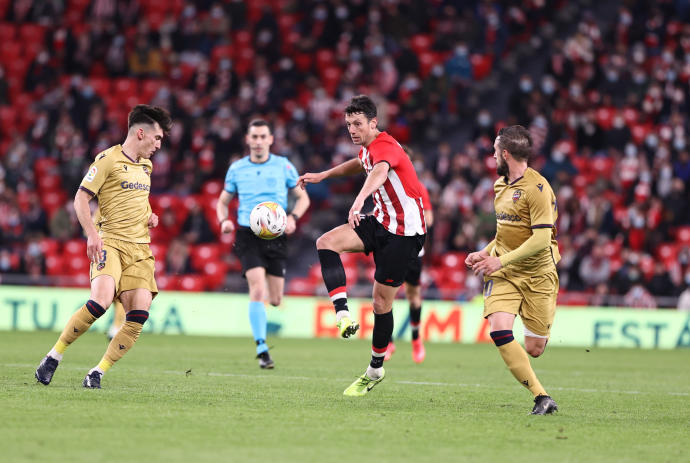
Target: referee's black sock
{"x":383,"y":330}
{"x":415,"y":317}
{"x":334,"y":277}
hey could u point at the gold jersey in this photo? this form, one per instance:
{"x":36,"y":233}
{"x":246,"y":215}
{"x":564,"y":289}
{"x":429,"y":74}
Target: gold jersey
{"x":122,"y":187}
{"x":521,"y":206}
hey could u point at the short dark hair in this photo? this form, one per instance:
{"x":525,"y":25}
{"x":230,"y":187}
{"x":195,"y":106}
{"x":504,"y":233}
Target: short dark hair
{"x":259,"y":123}
{"x":146,"y":114}
{"x":517,"y":141}
{"x":361,"y":104}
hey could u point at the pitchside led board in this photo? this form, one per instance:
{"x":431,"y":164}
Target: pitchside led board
{"x":219,"y":314}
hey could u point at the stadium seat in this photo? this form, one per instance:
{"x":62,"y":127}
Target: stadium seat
{"x":667,"y":251}
{"x":8,"y":119}
{"x":8,"y":32}
{"x":32,"y":33}
{"x":149,"y":88}
{"x":101,"y":85}
{"x":212,"y":188}
{"x":420,"y":43}
{"x":324,"y":58}
{"x":159,"y":251}
{"x":52,"y":201}
{"x":159,"y":267}
{"x":330,"y":78}
{"x":77,"y":264}
{"x":75,"y":247}
{"x":125,"y":87}
{"x":191,"y":283}
{"x":55,"y":265}
{"x":50,"y":247}
{"x":427,"y":60}
{"x":454,"y":260}
{"x":167,"y":282}
{"x":49,"y":182}
{"x":214,"y":273}
{"x":11,"y":51}
{"x":203,"y":253}
{"x":481,"y":66}
{"x":683,"y":234}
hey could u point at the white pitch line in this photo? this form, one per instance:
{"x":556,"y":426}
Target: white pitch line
{"x":411,"y":383}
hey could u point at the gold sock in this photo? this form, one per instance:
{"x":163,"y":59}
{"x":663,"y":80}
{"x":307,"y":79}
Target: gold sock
{"x":119,"y":315}
{"x":517,"y":361}
{"x":120,"y":344}
{"x":79,"y":324}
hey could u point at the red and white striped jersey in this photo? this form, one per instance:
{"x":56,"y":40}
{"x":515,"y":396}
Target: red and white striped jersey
{"x":398,"y":202}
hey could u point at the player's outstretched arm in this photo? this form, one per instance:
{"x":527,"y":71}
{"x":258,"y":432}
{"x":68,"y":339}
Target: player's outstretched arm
{"x":226,"y":225}
{"x":351,"y":167}
{"x":94,"y":243}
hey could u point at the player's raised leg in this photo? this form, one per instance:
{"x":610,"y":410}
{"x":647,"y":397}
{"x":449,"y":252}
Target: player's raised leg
{"x":136,"y":303}
{"x":329,"y":246}
{"x":383,"y":330}
{"x":102,"y":292}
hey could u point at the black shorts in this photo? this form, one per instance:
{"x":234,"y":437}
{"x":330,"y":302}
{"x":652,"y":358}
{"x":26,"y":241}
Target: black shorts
{"x":393,"y":254}
{"x":256,"y":252}
{"x":414,"y":271}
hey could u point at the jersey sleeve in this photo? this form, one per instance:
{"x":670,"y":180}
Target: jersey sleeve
{"x":541,"y":207}
{"x":290,"y":174}
{"x":388,"y":152}
{"x":230,"y":184}
{"x":96,"y":175}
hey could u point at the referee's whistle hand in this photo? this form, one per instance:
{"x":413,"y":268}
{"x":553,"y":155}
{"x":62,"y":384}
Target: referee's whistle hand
{"x":227,"y":226}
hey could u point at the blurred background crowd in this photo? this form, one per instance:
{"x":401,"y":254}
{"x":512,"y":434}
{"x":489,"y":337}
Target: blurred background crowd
{"x":602,"y":86}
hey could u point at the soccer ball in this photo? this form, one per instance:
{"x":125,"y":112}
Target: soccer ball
{"x":268,"y":220}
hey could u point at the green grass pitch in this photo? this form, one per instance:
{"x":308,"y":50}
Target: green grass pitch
{"x":193,"y":399}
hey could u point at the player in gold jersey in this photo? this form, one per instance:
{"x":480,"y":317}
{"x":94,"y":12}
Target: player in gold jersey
{"x":519,"y":265}
{"x":118,"y":240}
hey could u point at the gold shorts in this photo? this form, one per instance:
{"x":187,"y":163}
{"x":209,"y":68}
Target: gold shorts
{"x":531,"y":297}
{"x":130,"y":264}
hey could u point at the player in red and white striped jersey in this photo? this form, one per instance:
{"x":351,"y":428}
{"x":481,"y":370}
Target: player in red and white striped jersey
{"x":394,"y":232}
{"x":413,"y":287}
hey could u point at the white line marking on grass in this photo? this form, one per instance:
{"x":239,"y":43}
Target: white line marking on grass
{"x":411,"y":383}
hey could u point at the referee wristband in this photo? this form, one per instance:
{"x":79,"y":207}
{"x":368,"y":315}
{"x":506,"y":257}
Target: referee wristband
{"x":294,"y":216}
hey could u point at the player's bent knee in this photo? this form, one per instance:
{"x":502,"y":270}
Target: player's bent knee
{"x":102,"y":299}
{"x":275,"y":301}
{"x":324,"y":242}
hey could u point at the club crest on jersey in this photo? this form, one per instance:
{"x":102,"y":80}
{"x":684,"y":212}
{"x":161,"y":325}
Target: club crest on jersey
{"x":91,"y":174}
{"x":147,"y":171}
{"x":517,"y":195}
{"x":100,"y":266}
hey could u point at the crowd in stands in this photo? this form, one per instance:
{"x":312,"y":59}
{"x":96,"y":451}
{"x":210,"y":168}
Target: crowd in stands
{"x":607,"y":113}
